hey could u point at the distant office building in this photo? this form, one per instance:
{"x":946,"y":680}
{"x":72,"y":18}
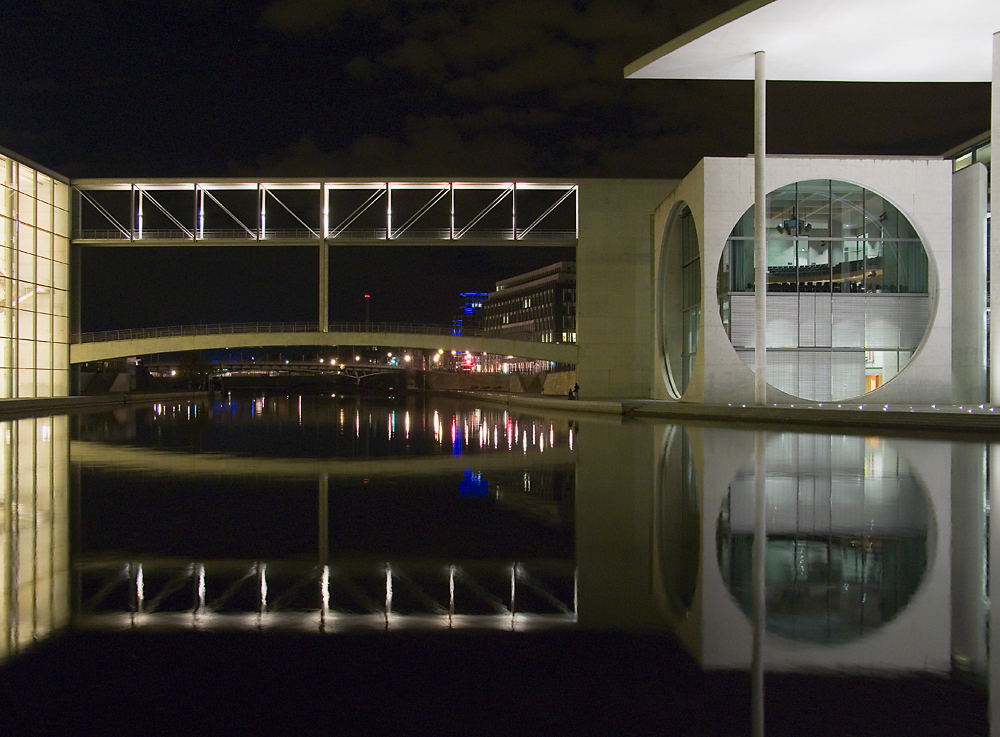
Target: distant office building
{"x":538,"y":305}
{"x":468,"y":319}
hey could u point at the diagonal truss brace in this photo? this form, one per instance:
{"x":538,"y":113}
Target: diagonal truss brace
{"x":103,"y":210}
{"x":161,"y":208}
{"x":438,"y":196}
{"x":226,"y":210}
{"x":289,"y":211}
{"x":566,"y":194}
{"x":489,"y":208}
{"x":359,"y":211}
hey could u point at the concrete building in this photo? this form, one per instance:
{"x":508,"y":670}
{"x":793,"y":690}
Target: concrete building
{"x":858,"y":281}
{"x":782,"y":279}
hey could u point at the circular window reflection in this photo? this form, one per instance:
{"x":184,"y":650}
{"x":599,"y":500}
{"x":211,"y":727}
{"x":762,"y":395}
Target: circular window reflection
{"x":678,"y":525}
{"x":847,"y":289}
{"x":847,"y":534}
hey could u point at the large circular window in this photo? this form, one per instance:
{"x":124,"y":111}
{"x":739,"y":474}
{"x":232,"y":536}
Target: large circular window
{"x":847,"y":289}
{"x":847,"y":536}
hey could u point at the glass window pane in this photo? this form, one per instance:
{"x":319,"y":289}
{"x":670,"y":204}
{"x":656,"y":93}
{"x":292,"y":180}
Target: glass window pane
{"x":26,"y":263}
{"x":61,"y":195}
{"x":25,"y":382}
{"x":60,"y":222}
{"x":43,"y":187}
{"x":43,"y":272}
{"x":60,"y":249}
{"x":26,"y":180}
{"x":26,"y":208}
{"x":44,"y":221}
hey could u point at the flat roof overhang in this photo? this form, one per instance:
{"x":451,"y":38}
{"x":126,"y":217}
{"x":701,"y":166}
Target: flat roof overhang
{"x":835,"y":41}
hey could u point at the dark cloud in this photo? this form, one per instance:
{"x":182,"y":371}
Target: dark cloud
{"x":414,"y":87}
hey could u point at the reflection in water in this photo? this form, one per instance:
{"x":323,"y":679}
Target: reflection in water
{"x":34,"y":530}
{"x":678,"y":524}
{"x":386,"y":514}
{"x":847,"y":536}
{"x":362,"y":517}
{"x":346,"y":594}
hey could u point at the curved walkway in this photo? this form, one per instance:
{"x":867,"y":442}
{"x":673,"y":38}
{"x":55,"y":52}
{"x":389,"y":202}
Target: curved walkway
{"x":123,"y":343}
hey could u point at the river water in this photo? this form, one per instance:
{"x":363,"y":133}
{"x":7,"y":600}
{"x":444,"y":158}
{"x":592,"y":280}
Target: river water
{"x":292,"y":563}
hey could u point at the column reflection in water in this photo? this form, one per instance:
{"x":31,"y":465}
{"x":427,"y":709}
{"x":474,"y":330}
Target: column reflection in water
{"x":34,"y":534}
{"x":857,"y":563}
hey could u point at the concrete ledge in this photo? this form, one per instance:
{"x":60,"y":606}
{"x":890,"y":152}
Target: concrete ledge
{"x":924,"y":419}
{"x":60,"y":405}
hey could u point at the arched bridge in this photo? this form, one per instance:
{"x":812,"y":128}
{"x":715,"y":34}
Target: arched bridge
{"x":123,"y":343}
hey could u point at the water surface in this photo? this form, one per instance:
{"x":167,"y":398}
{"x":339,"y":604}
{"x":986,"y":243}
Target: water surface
{"x":429,"y":563}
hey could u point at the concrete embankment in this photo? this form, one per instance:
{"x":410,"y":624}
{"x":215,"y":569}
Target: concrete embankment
{"x":977,"y":420}
{"x":59,"y":405}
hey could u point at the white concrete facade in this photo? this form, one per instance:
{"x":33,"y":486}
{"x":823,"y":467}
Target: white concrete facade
{"x":719,"y":191}
{"x":614,"y":285}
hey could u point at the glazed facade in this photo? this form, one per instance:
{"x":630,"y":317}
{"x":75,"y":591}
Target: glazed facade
{"x":34,"y":281}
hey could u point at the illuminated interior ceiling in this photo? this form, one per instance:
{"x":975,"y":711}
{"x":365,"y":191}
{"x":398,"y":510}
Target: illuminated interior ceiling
{"x":842,"y":41}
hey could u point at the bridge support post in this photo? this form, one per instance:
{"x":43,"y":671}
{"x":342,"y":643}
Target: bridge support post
{"x":324,"y":287}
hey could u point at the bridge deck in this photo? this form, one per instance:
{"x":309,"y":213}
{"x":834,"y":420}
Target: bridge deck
{"x":123,"y":343}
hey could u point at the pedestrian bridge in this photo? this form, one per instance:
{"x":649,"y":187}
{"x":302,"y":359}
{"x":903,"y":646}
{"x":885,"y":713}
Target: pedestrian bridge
{"x":113,"y":344}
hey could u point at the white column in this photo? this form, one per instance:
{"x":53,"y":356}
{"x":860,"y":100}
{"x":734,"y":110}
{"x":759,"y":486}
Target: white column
{"x":994,"y":237}
{"x":759,"y":232}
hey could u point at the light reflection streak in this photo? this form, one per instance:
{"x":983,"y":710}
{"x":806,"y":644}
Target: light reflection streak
{"x":324,"y":586}
{"x":388,"y":592}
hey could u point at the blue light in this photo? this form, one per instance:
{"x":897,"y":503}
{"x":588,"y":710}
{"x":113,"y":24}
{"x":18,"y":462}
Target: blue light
{"x":474,"y":486}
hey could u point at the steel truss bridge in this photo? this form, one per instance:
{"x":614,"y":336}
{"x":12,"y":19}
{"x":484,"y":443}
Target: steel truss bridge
{"x":328,"y":596}
{"x":113,"y":344}
{"x":297,"y":211}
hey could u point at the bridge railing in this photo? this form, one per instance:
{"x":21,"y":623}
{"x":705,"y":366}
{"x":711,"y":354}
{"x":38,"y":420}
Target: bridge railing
{"x":303,"y":234}
{"x":241,"y":328}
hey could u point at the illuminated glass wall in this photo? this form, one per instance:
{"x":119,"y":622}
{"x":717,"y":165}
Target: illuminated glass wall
{"x":34,"y":530}
{"x":34,"y":282}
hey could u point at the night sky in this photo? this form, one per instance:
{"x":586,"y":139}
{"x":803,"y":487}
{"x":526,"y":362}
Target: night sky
{"x":400,"y":88}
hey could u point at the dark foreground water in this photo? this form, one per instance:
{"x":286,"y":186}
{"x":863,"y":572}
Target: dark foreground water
{"x":325,"y":565}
